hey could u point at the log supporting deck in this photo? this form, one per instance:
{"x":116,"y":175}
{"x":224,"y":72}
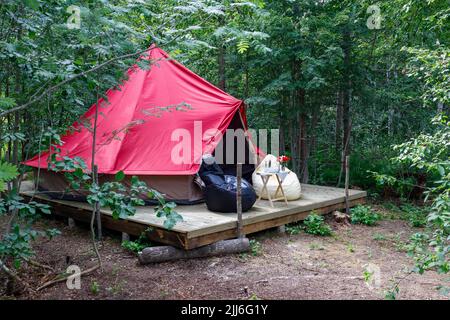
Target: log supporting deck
{"x":202,"y":227}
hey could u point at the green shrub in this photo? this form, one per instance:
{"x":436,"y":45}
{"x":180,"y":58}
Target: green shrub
{"x":7,"y":173}
{"x":133,"y":246}
{"x":139,"y":244}
{"x":416,"y":216}
{"x":294,"y":229}
{"x":255,"y":247}
{"x":314,"y":224}
{"x":364,"y":215}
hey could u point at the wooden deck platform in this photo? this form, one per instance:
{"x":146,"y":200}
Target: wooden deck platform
{"x":201,"y":227}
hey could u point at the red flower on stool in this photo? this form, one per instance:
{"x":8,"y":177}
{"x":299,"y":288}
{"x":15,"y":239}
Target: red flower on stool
{"x":283,"y":159}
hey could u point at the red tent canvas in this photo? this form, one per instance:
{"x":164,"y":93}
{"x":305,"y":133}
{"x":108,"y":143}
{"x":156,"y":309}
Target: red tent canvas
{"x":141,"y":125}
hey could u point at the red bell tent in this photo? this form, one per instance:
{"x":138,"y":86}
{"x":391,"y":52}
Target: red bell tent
{"x":143,"y":124}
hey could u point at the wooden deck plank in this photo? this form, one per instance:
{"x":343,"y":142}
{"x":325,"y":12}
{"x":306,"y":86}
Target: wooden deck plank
{"x":201,"y":227}
{"x":263,"y":225}
{"x":313,"y":198}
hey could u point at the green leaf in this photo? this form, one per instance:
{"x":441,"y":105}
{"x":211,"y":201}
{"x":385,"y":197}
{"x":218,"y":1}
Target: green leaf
{"x":45,"y":210}
{"x":7,"y":102}
{"x":7,"y":173}
{"x":441,"y":170}
{"x":242,"y":46}
{"x":134,"y":180}
{"x":120,"y":176}
{"x":33,"y":4}
{"x":17,"y":263}
{"x":78,"y":173}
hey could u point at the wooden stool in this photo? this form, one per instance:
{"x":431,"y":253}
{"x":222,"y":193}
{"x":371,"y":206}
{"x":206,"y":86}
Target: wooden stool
{"x":280,"y":176}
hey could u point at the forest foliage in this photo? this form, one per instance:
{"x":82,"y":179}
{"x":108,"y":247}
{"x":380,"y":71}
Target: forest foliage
{"x":368,"y":80}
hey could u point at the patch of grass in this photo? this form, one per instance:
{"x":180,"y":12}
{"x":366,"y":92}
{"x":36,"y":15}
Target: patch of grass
{"x":117,"y":285}
{"x":369,"y":254}
{"x":392,"y":211}
{"x":444,"y":290}
{"x":379,"y":237}
{"x":390,"y":206}
{"x":392,"y":293}
{"x":163,"y":293}
{"x":314,"y":224}
{"x":95,"y":288}
{"x":373,"y":196}
{"x":350,"y":248}
{"x":417,"y":216}
{"x":254,"y":297}
{"x":400,"y":245}
{"x":364,"y":215}
{"x":367,"y":275}
{"x":336,"y":236}
{"x":243,"y":257}
{"x":316,"y":246}
{"x":255,"y":248}
{"x":116,"y":288}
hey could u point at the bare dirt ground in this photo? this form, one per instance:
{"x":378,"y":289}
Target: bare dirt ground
{"x":285,"y":267}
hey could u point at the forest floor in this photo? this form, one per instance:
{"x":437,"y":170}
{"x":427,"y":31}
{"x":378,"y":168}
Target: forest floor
{"x":281,"y":266}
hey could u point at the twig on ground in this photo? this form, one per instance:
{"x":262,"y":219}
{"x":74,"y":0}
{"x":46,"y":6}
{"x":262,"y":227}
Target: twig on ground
{"x":38,"y":264}
{"x":52,"y":282}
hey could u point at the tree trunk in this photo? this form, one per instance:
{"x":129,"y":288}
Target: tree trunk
{"x":221,"y":60}
{"x":15,"y":146}
{"x":282,"y":125}
{"x":346,"y":95}
{"x":303,"y":137}
{"x":391,"y":112}
{"x":301,"y":117}
{"x":338,"y":132}
{"x":247,"y":78}
{"x":282,"y":138}
{"x":303,"y":146}
{"x":16,"y":128}
{"x":293,"y":132}
{"x":440,"y":107}
{"x":314,"y":122}
{"x":390,"y":124}
{"x":168,"y":253}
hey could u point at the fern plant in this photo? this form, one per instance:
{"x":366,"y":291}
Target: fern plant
{"x":242,"y":46}
{"x":7,"y":103}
